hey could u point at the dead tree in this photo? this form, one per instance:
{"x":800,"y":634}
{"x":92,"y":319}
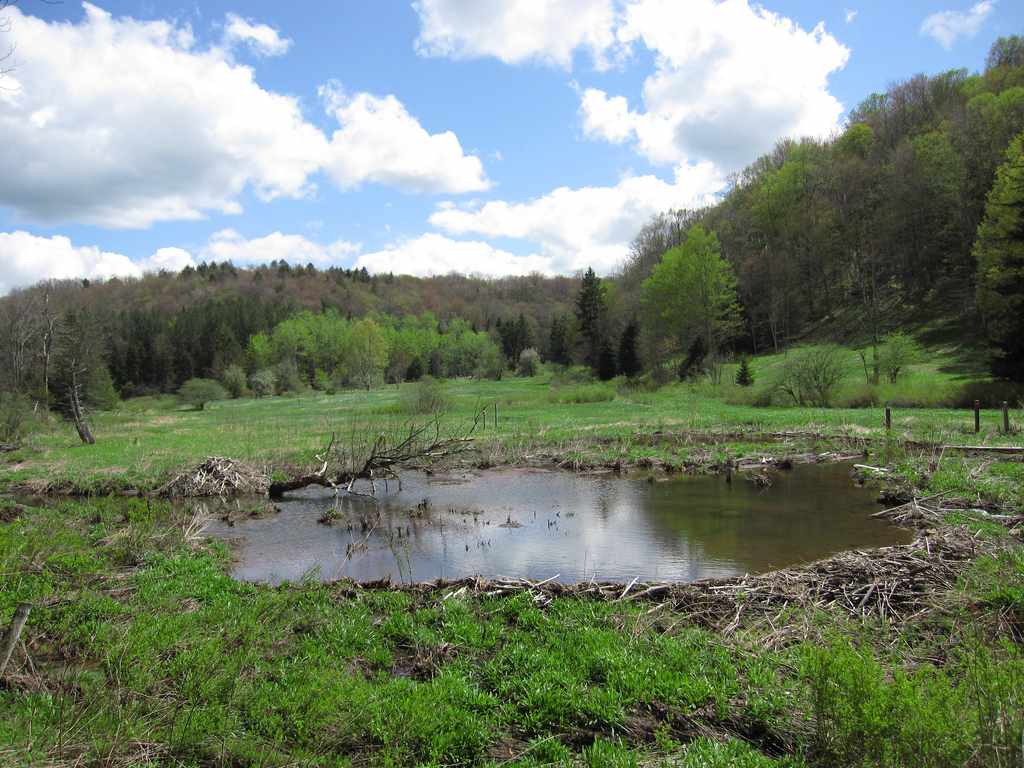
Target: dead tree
{"x":379,"y":458}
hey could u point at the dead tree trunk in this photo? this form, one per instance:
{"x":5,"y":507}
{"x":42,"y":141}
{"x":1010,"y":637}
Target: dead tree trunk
{"x":76,"y":411}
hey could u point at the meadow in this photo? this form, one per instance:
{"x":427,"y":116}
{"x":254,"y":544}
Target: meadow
{"x":142,"y":650}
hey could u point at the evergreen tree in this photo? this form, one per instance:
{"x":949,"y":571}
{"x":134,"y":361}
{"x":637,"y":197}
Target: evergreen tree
{"x":999,"y":251}
{"x":590,"y":315}
{"x":558,"y":341}
{"x":606,"y":364}
{"x":629,"y":359}
{"x":743,"y":376}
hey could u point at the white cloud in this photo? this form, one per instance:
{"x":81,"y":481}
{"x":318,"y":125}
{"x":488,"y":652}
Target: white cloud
{"x":26,"y":259}
{"x":123,"y":123}
{"x":592,"y":226}
{"x":946,"y":27}
{"x":379,"y":141}
{"x":850,"y":14}
{"x":730,"y":80}
{"x":229,"y":245}
{"x":434,"y":254}
{"x":516,"y":31}
{"x":261,"y":39}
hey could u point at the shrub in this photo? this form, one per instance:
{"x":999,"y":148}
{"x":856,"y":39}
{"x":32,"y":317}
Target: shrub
{"x":529,"y":362}
{"x":15,"y":417}
{"x":898,"y":351}
{"x":199,"y":392}
{"x":584,"y":393}
{"x":427,"y":396}
{"x":694,"y":362}
{"x":491,"y":364}
{"x":263,"y":383}
{"x":415,"y":370}
{"x":744,"y":376}
{"x":100,"y":392}
{"x":233,"y":379}
{"x":322,"y":381}
{"x":288,"y":379}
{"x":607,"y":366}
{"x":810,"y":376}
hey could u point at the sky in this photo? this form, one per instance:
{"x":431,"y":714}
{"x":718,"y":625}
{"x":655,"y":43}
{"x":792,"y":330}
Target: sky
{"x":490,"y":137}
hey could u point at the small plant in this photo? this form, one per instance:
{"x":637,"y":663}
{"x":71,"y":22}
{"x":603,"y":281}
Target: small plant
{"x":426,"y":397}
{"x":529,"y":362}
{"x":233,"y":379}
{"x":744,"y":376}
{"x":263,"y":383}
{"x":199,"y":392}
{"x":810,"y":376}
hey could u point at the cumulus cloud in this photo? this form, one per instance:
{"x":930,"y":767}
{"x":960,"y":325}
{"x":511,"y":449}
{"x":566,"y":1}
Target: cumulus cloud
{"x":229,"y":245}
{"x":946,"y":27}
{"x":730,"y":79}
{"x":587,"y":226}
{"x":28,"y":258}
{"x":435,"y":254}
{"x":516,"y":31}
{"x":262,"y":39}
{"x":379,"y":141}
{"x":122,"y":123}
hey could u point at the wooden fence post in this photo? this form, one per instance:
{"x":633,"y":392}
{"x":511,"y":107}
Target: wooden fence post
{"x":888,"y":418}
{"x":1006,"y":417}
{"x":977,"y":416}
{"x":495,"y":414}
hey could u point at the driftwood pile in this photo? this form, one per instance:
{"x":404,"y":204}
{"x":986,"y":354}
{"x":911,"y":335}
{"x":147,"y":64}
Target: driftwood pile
{"x":895,"y":583}
{"x":217,"y":476}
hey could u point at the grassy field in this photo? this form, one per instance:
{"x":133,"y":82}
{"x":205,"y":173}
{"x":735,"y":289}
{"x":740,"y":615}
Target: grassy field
{"x":141,"y":650}
{"x":148,"y":439}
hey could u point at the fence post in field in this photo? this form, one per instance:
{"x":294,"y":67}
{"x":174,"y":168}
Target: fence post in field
{"x":977,"y":416}
{"x":888,"y":418}
{"x":1006,"y":417}
{"x":495,"y":414}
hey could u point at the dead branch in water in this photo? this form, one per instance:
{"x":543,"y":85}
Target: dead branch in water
{"x":340,"y":465}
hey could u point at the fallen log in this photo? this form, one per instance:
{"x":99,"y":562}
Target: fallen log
{"x":1007,"y":449}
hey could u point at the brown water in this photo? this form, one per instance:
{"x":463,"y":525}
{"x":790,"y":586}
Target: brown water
{"x":539,"y":524}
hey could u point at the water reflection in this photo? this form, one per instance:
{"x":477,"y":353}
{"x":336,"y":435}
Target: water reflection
{"x":537,"y":524}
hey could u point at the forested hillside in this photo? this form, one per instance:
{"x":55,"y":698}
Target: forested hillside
{"x":848,"y":238}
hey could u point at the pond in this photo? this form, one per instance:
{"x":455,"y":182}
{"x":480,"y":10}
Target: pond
{"x":540,"y":524}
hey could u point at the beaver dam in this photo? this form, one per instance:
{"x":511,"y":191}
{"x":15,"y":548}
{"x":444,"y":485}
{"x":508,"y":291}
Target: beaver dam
{"x":569,"y":528}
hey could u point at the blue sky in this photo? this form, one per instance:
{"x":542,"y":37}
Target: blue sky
{"x":484,"y":136}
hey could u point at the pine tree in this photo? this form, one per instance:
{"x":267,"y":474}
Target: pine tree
{"x":629,"y":359}
{"x":590,"y":311}
{"x":606,"y":364}
{"x":743,"y":376}
{"x":558,"y":341}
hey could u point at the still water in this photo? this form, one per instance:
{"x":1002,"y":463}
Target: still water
{"x":539,"y":524}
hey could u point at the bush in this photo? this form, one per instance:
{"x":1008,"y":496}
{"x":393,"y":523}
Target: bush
{"x":199,"y":392}
{"x":491,"y":364}
{"x":99,"y":392}
{"x":288,"y":379}
{"x":427,"y":396}
{"x":584,"y":393}
{"x":529,"y":362}
{"x":415,"y":370}
{"x":263,"y":383}
{"x":233,"y":379}
{"x":15,"y":417}
{"x":607,"y":365}
{"x":897,"y":352}
{"x":810,"y":376}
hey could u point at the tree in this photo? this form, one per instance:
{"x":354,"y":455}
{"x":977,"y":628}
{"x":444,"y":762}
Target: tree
{"x":691,"y":294}
{"x":744,"y":377}
{"x":80,"y":357}
{"x":199,"y":392}
{"x":629,"y":358}
{"x":415,"y":370}
{"x":897,"y":352}
{"x":1006,"y":52}
{"x":590,"y":316}
{"x":367,"y":354}
{"x":606,"y":364}
{"x":558,"y":341}
{"x":999,"y":250}
{"x":233,"y":379}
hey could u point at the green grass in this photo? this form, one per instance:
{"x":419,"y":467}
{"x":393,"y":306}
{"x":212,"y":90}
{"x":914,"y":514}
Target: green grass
{"x":145,"y":652}
{"x":147,"y":440}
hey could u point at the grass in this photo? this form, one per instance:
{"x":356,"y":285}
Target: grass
{"x":145,"y":652}
{"x":141,"y":650}
{"x":149,"y":439}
